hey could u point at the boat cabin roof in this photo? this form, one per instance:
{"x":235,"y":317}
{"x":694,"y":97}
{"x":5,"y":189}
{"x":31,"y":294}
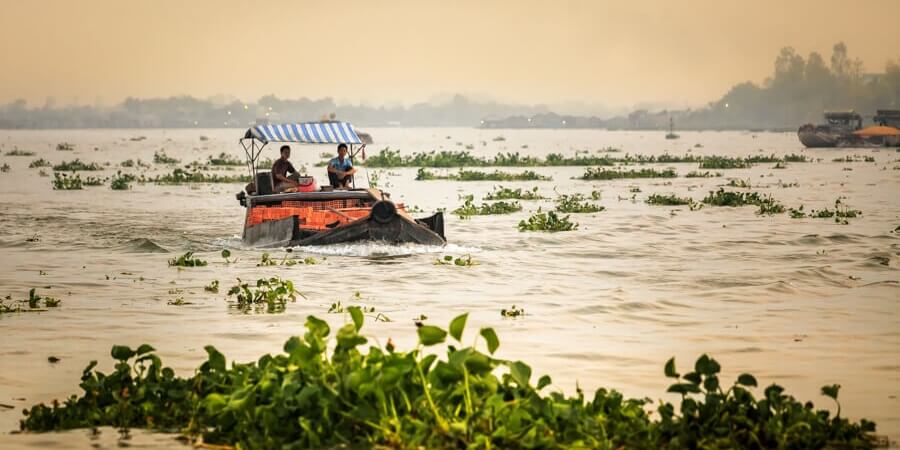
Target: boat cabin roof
{"x":308,"y":133}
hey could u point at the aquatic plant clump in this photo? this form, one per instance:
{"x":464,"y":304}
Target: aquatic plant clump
{"x":187,"y":260}
{"x":270,"y":293}
{"x":592,"y":173}
{"x":668,"y":200}
{"x":576,"y":203}
{"x":161,"y":157}
{"x":449,"y":260}
{"x":547,"y":221}
{"x":474,"y":175}
{"x":121,"y":182}
{"x":40,"y":162}
{"x":17,"y":152}
{"x":65,"y":182}
{"x":766,"y":204}
{"x":502,"y":193}
{"x":225,"y":159}
{"x":723,"y":162}
{"x":181,"y":176}
{"x":76,"y":165}
{"x":307,"y":397}
{"x":469,"y":208}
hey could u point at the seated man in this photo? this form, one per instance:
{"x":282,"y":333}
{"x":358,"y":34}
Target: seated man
{"x":280,"y":171}
{"x":340,"y":169}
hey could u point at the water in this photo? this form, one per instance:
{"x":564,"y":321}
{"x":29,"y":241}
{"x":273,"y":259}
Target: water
{"x":803,"y":303}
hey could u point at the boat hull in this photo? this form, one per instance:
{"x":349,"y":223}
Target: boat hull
{"x":392,"y":228}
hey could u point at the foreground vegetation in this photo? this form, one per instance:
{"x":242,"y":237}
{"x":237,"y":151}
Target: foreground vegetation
{"x":386,"y":397}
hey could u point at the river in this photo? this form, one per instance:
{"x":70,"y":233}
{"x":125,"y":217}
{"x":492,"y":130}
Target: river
{"x":798,"y":302}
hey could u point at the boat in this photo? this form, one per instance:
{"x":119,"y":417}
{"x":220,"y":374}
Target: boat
{"x":671,"y":134}
{"x":837,"y":131}
{"x":323,"y":216}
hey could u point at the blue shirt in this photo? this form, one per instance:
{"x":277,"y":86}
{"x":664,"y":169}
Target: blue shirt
{"x":339,"y":165}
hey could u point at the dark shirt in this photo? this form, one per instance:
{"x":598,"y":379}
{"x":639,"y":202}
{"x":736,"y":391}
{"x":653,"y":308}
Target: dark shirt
{"x":281,"y":167}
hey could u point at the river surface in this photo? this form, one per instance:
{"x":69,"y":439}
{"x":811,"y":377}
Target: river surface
{"x":800,"y":302}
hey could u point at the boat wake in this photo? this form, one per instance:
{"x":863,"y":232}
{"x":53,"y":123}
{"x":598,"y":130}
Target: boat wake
{"x":376,"y":249}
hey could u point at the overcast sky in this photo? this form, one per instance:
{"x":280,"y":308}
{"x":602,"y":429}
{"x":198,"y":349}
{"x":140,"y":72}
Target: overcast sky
{"x":615,"y":53}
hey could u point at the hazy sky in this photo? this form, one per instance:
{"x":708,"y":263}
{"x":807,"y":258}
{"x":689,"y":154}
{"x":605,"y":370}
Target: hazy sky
{"x":616,"y":53}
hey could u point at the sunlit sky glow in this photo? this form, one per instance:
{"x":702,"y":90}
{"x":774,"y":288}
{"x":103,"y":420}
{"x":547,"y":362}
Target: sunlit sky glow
{"x":613,"y":53}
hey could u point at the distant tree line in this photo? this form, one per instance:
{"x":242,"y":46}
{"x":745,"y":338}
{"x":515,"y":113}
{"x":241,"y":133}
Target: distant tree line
{"x":798,"y":92}
{"x":187,"y":112}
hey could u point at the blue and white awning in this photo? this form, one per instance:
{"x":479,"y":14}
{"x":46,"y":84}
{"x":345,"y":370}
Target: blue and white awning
{"x":306,"y":133}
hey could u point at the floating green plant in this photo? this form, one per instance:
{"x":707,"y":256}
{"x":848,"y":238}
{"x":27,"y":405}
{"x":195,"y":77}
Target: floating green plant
{"x":668,"y":200}
{"x":17,"y":152}
{"x":160,"y":157}
{"x":503,"y":193}
{"x":40,"y":162}
{"x":266,"y":260}
{"x":547,"y":221}
{"x":576,"y":203}
{"x":326,"y":391}
{"x":766,"y":204}
{"x":65,"y":147}
{"x":5,"y":168}
{"x":469,"y":208}
{"x":698,"y":174}
{"x":76,"y":165}
{"x":271,"y":294}
{"x":512,"y":312}
{"x":474,"y":175}
{"x":121,"y":182}
{"x":592,"y":173}
{"x":181,"y":176}
{"x":213,"y":287}
{"x":840,"y":213}
{"x":65,"y":182}
{"x":723,"y":162}
{"x":225,"y":159}
{"x":187,"y":260}
{"x":463,"y":261}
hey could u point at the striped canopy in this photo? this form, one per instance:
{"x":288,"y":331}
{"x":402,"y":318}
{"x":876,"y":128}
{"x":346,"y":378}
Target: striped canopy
{"x":306,"y":133}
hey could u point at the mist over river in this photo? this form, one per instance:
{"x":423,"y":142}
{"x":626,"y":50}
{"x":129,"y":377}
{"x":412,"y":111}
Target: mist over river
{"x":798,"y":302}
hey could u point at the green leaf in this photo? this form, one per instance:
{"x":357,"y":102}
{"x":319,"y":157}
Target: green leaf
{"x":670,"y":368}
{"x":520,"y":372}
{"x":317,"y":326}
{"x":491,"y":338}
{"x":226,"y":253}
{"x":543,"y":382}
{"x":216,"y":359}
{"x":144,"y":348}
{"x":831,"y":390}
{"x":430,"y":335}
{"x":746,"y":379}
{"x":121,"y":352}
{"x":707,"y":366}
{"x":457,"y":325}
{"x":684,"y":388}
{"x":357,"y":316}
{"x":693,"y":377}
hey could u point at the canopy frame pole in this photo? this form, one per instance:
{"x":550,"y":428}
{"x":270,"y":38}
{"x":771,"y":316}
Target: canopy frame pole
{"x":352,"y":165}
{"x":252,"y":151}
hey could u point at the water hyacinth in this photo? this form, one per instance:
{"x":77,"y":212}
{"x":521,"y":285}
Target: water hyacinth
{"x":388,"y":398}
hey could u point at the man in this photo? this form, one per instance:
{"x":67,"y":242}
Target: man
{"x":280,"y":171}
{"x":340,"y":169}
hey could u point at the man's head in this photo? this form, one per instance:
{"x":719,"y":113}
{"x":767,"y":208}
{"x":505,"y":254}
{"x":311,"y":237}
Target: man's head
{"x":285,"y":151}
{"x":342,"y":150}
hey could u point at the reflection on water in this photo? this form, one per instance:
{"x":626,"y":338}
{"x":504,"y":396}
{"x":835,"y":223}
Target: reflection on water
{"x":802,"y":302}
